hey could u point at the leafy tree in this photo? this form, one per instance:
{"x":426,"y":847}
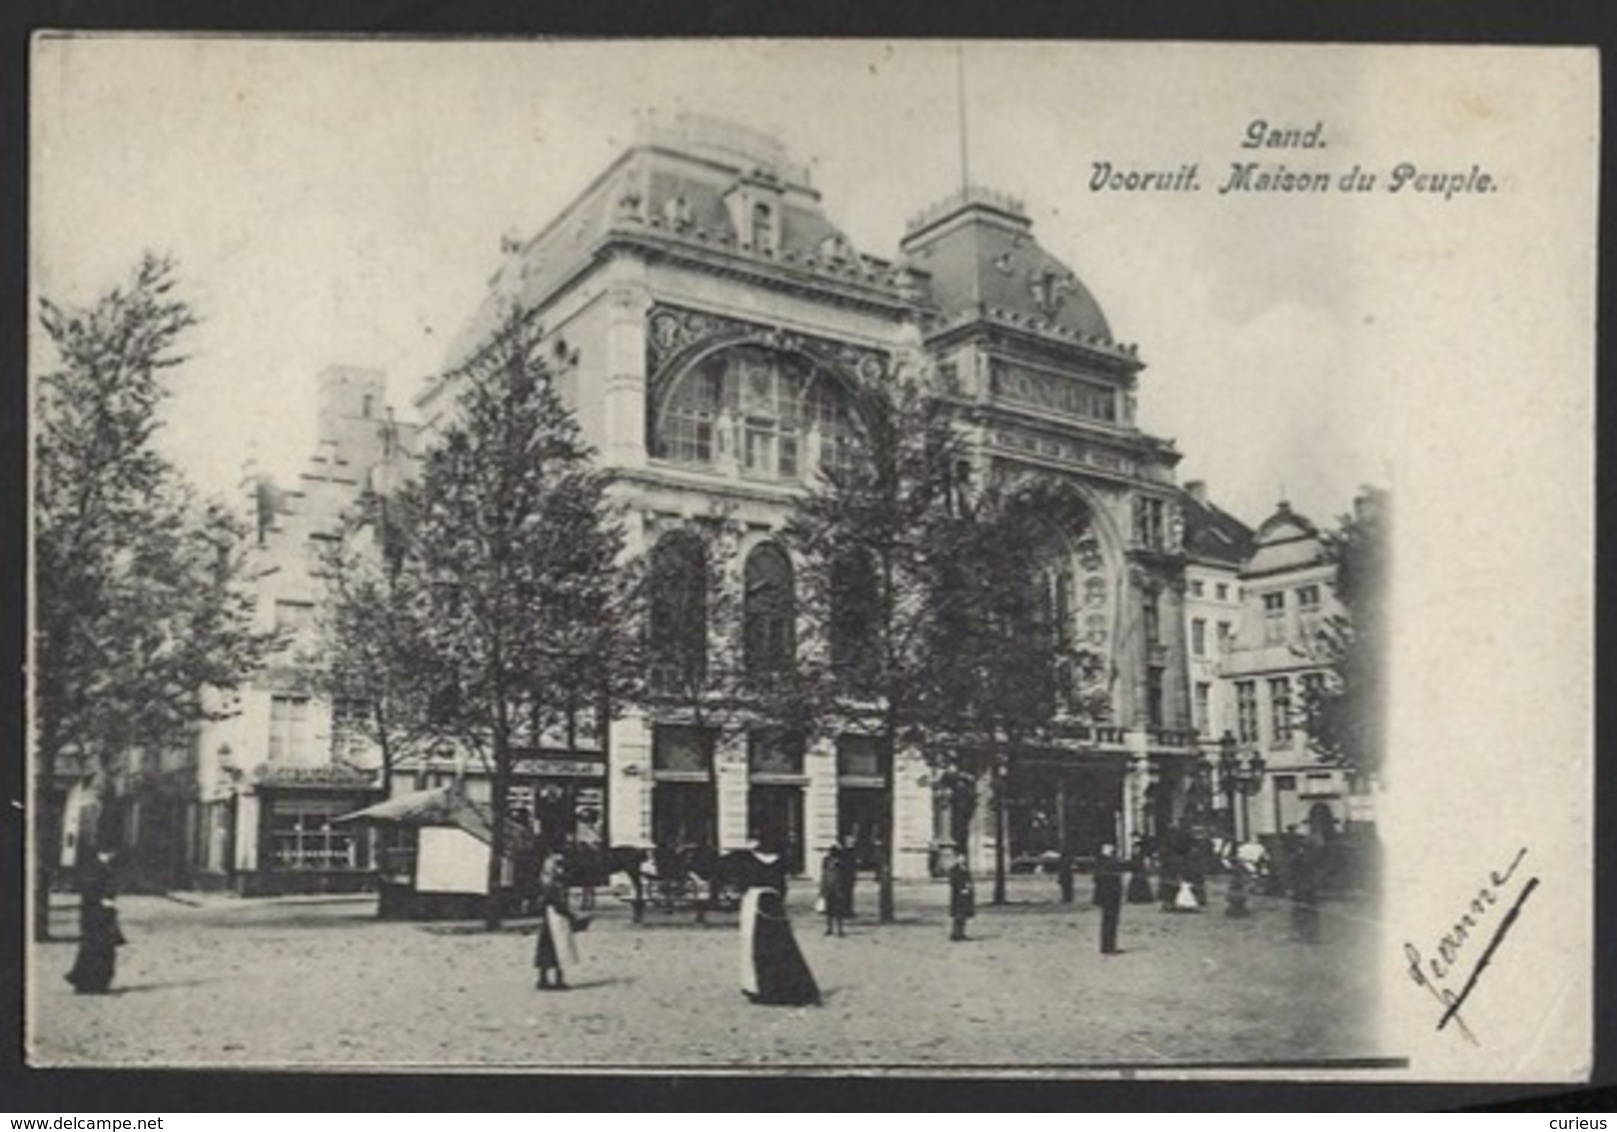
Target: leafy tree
{"x":1008,"y":664}
{"x":372,"y":663}
{"x":139,"y":602}
{"x":869,"y":535}
{"x":1346,"y":714}
{"x":515,"y":606}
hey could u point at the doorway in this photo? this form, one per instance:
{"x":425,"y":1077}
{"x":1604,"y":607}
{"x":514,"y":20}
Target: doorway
{"x":776,"y":813}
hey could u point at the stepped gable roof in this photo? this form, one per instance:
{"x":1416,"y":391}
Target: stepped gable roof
{"x":1285,"y":540}
{"x":978,"y":248}
{"x":1213,"y":534}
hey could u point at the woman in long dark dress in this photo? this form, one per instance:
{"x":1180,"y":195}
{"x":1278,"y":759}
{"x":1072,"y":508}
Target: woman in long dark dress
{"x":99,"y":933}
{"x":555,"y":950}
{"x":773,"y":971}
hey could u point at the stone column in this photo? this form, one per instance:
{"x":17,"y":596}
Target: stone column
{"x":1135,"y":780}
{"x":912,"y":816}
{"x":628,"y":791}
{"x":819,"y":801}
{"x":730,"y":763}
{"x":625,"y":377}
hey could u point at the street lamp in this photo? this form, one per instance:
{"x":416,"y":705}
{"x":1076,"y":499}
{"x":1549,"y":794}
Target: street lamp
{"x":1243,"y":777}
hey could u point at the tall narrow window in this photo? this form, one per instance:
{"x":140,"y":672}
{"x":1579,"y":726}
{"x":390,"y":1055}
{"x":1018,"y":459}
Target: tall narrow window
{"x":1246,"y":711}
{"x":1153,"y":618}
{"x":1198,"y":636}
{"x":1280,"y":710}
{"x":769,"y":611}
{"x":678,"y":629}
{"x":289,"y":725}
{"x":350,"y":724}
{"x":1204,"y":696}
{"x":1308,"y":615}
{"x":1153,"y":696}
{"x":1274,"y":618}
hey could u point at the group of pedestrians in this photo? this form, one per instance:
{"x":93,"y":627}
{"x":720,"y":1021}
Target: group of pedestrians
{"x":772,"y":968}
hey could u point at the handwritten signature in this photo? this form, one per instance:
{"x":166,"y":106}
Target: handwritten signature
{"x":1433,"y":974}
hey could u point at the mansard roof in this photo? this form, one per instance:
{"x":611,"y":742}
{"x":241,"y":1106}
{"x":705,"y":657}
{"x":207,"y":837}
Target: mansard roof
{"x":676,"y":186}
{"x":977,"y":248}
{"x":1213,"y":534}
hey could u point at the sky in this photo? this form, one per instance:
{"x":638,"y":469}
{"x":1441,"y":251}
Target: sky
{"x":344,"y":201}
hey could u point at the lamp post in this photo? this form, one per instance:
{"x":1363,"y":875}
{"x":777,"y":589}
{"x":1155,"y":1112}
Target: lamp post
{"x":1243,"y":777}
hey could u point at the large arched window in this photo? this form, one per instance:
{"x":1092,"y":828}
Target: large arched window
{"x":678,"y":613}
{"x":759,"y":409}
{"x":769,"y":613}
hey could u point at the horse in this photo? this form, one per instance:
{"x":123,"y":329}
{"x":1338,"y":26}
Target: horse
{"x":594,"y":866}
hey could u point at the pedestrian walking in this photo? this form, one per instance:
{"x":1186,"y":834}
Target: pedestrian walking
{"x":962,"y":898}
{"x":100,"y":935}
{"x":556,"y":949}
{"x":773,"y":970}
{"x":1139,"y":891}
{"x":1305,"y":884}
{"x":836,"y":888}
{"x":1109,"y":897}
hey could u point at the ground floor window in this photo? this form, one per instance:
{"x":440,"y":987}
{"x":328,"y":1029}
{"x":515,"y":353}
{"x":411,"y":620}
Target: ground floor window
{"x":1041,"y":802}
{"x":860,"y":822}
{"x":775,"y":814}
{"x":302,"y":835}
{"x":683,"y":815}
{"x":559,"y":811}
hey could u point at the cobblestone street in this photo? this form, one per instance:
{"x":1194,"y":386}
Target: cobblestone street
{"x":320,"y":982}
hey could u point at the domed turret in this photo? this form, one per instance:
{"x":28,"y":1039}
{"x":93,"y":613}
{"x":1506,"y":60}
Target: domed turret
{"x":978,"y":248}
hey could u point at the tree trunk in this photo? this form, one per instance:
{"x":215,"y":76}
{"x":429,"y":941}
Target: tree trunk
{"x":493,"y":914}
{"x":885,"y":912}
{"x":1064,"y":839}
{"x":1001,"y":783}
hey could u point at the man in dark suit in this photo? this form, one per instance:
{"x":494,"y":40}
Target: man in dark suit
{"x":962,"y":898}
{"x":1108,"y":896}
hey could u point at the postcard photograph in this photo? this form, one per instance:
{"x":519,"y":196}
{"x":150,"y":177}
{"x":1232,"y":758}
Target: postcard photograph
{"x":845,"y":557}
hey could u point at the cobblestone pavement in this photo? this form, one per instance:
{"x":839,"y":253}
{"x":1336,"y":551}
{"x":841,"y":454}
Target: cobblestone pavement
{"x":320,"y":982}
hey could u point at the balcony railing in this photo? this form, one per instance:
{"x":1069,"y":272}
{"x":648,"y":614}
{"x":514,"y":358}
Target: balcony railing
{"x":1172,"y":737}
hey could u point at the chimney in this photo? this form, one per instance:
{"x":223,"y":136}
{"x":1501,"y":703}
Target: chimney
{"x":1197,"y":490}
{"x":1369,"y":504}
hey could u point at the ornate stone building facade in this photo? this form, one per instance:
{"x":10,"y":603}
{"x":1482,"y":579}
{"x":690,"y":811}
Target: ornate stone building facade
{"x":710,"y":320}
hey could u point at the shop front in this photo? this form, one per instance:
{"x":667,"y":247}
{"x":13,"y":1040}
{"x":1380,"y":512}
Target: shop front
{"x":775,"y":784}
{"x":300,"y":848}
{"x":561,"y":797}
{"x":1058,"y":798}
{"x":861,"y":815}
{"x":684,"y":804}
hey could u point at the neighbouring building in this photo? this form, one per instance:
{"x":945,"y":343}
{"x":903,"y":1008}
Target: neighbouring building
{"x":1268,"y":672}
{"x":281,"y":762}
{"x":709,"y":319}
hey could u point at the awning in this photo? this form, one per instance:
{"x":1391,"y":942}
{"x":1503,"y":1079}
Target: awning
{"x":442,"y":806}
